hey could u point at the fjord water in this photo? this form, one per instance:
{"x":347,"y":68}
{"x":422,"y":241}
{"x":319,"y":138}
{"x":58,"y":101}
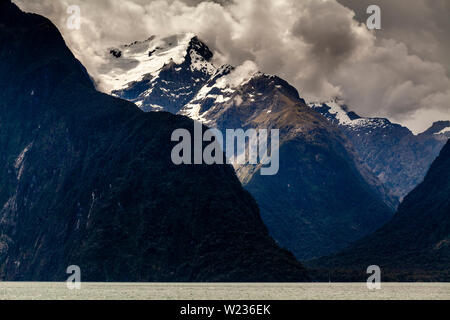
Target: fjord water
{"x":223,"y":291}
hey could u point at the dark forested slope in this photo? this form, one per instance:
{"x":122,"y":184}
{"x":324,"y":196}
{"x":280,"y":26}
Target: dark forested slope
{"x":87,"y":179}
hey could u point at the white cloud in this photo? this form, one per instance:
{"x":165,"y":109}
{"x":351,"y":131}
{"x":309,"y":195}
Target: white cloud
{"x":317,"y":45}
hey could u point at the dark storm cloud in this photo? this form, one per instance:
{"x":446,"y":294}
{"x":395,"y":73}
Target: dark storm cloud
{"x":330,"y":45}
{"x":317,"y":45}
{"x":423,"y":25}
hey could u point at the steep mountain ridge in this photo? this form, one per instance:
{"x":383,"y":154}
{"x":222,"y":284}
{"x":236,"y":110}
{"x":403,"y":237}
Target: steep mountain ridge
{"x":414,"y":245}
{"x":158,"y":73}
{"x":439,"y":130}
{"x":320,"y":200}
{"x":87,"y":179}
{"x":397,"y":157}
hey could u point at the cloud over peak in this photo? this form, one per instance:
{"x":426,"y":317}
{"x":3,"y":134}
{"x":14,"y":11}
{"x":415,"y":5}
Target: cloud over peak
{"x":316,"y":45}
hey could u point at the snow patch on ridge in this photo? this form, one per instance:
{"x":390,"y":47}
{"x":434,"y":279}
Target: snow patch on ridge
{"x":443,"y":131}
{"x":227,"y":80}
{"x":338,"y":114}
{"x":130,"y":63}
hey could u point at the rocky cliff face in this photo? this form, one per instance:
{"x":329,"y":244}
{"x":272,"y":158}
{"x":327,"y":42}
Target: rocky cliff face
{"x":87,"y":179}
{"x":397,"y":157}
{"x":158,"y":74}
{"x":414,"y":245}
{"x":322,"y":198}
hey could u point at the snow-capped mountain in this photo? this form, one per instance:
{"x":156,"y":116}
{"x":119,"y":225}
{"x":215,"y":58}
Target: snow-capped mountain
{"x":159,"y":73}
{"x":439,"y":130}
{"x":321,"y":192}
{"x":445,"y":131}
{"x":395,"y":155}
{"x":174,"y":74}
{"x":337,"y":113}
{"x":83,"y":181}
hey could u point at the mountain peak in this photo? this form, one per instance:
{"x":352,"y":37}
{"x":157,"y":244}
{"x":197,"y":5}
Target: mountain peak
{"x":438,"y":128}
{"x":385,"y":146}
{"x":140,"y":60}
{"x":200,"y":48}
{"x":114,"y":162}
{"x":10,"y":13}
{"x":337,"y":112}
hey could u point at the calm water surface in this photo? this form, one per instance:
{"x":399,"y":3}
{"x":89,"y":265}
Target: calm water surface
{"x":219,"y":291}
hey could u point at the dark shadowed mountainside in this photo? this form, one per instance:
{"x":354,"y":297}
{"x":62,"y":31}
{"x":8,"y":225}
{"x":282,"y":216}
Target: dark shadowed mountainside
{"x":322,"y":198}
{"x":414,"y":245}
{"x":86,"y":179}
{"x":397,"y":157}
